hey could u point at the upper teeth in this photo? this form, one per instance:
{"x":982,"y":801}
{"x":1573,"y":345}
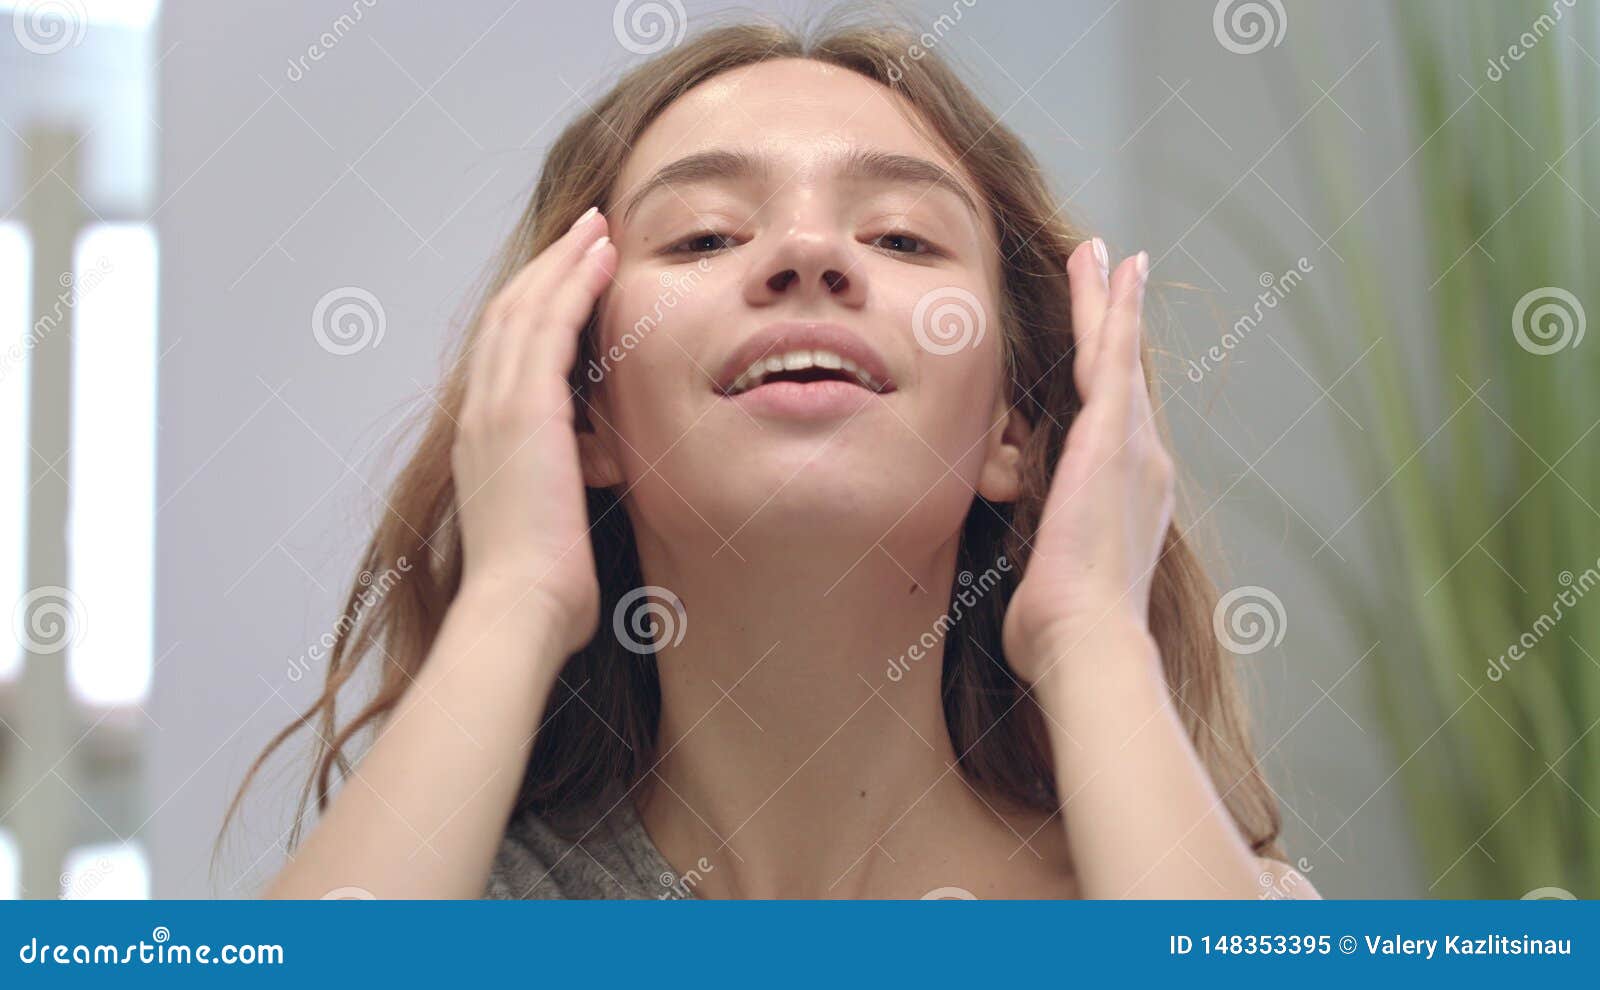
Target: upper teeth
{"x":799,"y":361}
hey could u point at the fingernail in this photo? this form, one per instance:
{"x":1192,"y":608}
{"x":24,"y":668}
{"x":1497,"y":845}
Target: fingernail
{"x":591,"y":211}
{"x":597,"y":246}
{"x":1142,"y":265}
{"x":1102,"y":257}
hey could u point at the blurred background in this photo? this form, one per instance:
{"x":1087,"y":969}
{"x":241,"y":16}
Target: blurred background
{"x":234,"y":239}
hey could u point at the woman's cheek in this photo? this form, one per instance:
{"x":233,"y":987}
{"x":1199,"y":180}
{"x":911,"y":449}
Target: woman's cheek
{"x":649,"y":322}
{"x":957,"y":395}
{"x":632,"y":315}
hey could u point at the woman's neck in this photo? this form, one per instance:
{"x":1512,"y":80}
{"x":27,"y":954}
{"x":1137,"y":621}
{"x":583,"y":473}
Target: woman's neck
{"x":803,"y":749}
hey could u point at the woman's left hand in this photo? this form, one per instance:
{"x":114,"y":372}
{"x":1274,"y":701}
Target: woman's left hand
{"x":1111,"y":498}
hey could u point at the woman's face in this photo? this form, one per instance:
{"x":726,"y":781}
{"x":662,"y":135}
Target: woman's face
{"x":789,"y":215}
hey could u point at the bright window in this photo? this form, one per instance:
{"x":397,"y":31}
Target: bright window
{"x":15,"y":275}
{"x":111,"y":544}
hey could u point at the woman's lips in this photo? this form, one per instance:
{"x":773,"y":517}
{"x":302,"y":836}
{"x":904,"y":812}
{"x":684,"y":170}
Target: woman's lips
{"x":781,"y":340}
{"x":828,"y":398}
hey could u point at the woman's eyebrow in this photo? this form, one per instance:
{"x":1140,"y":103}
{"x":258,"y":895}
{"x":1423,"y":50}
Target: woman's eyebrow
{"x":891,"y":167}
{"x":858,"y":163}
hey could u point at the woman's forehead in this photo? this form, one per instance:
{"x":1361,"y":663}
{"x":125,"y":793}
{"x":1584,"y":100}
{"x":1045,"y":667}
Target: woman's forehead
{"x":797,"y":113}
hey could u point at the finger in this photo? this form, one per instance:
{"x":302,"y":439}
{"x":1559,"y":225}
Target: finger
{"x":1143,"y":404}
{"x":1117,"y":356}
{"x":526,"y":298}
{"x":555,"y":261}
{"x":1086,"y":275}
{"x":554,"y":346}
{"x":1108,"y":406}
{"x":495,"y":339}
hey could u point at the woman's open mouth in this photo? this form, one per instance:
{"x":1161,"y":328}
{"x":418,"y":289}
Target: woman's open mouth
{"x":804,"y":367}
{"x":804,"y":371}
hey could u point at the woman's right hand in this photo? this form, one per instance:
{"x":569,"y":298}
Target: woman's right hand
{"x":518,"y":480}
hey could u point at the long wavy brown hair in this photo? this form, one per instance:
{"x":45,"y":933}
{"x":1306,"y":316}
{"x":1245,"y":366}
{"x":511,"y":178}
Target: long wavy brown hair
{"x":994,"y":724}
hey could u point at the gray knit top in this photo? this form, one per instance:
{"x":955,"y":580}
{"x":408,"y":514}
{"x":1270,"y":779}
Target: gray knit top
{"x":599,"y":852}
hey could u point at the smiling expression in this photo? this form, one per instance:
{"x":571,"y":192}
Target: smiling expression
{"x":803,"y":284}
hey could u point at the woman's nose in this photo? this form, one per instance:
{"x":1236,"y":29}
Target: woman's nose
{"x":835,"y":280}
{"x":807,"y":264}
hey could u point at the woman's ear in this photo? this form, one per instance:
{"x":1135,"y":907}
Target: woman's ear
{"x":1001,"y":478}
{"x":600,"y":468}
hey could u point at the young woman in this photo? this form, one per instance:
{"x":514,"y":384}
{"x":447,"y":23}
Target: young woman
{"x":795,"y":522}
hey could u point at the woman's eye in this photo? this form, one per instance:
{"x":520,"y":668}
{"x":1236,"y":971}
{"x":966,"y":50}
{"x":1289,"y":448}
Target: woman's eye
{"x":705,"y":243}
{"x":901,"y":243}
